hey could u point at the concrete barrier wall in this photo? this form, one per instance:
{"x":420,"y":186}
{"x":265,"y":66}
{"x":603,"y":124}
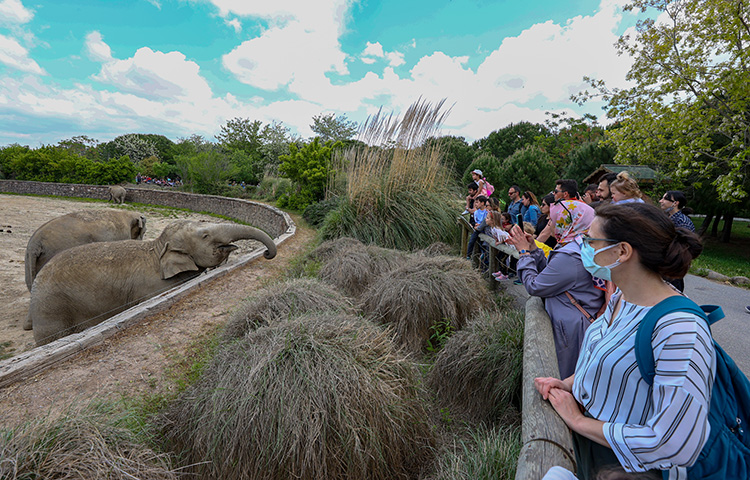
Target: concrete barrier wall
{"x":267,"y":218}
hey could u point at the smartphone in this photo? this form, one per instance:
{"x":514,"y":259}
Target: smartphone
{"x":519,"y":220}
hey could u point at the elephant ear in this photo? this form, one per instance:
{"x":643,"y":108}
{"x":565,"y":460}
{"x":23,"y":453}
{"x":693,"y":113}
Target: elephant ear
{"x":174,"y":261}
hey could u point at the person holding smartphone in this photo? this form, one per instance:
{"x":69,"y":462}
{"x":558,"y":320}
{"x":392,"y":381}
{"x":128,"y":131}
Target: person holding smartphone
{"x":570,"y":295}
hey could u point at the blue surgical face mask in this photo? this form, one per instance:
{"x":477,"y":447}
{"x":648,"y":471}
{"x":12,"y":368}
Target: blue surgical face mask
{"x":587,"y":257}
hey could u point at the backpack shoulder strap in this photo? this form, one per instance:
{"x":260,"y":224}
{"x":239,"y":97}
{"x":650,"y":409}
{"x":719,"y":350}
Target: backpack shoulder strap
{"x":644,"y":352}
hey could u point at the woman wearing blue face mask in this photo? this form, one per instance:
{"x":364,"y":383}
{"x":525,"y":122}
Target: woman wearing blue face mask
{"x":616,"y":417}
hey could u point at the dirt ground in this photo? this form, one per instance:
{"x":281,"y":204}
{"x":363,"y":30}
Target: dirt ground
{"x":136,"y":360}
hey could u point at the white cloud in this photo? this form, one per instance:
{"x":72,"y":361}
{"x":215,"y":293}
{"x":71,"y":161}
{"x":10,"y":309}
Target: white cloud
{"x":156,"y":75}
{"x":235,"y":24}
{"x":284,"y":55}
{"x":15,"y":55}
{"x":13,"y":12}
{"x":96,"y":49}
{"x":374,"y":51}
{"x":155,"y":3}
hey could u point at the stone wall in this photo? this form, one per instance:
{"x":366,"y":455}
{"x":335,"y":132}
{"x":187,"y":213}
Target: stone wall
{"x":265,"y":217}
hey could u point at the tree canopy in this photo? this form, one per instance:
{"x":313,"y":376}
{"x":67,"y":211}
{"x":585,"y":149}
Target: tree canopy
{"x":333,"y":127}
{"x":688,"y":109}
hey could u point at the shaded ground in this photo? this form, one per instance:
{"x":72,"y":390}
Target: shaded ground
{"x":135,"y":361}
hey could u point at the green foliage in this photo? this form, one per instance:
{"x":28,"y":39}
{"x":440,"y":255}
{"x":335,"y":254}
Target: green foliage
{"x":53,"y":164}
{"x":458,"y":153}
{"x":271,"y":188}
{"x":404,"y":220}
{"x":205,"y":172}
{"x":531,"y":169}
{"x":687,"y":110}
{"x":583,"y":160}
{"x":491,"y":169}
{"x":567,"y":134}
{"x":731,"y":259}
{"x":331,"y":127}
{"x":488,"y":454}
{"x":504,"y":142}
{"x":315,"y":213}
{"x":308,"y":168}
{"x":441,"y":332}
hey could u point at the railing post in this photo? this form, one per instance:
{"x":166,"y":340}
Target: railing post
{"x":547,"y":441}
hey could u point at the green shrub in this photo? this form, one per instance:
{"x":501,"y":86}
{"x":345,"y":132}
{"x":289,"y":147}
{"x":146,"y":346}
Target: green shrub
{"x":318,"y":396}
{"x":479,"y":371}
{"x":315,"y":213}
{"x":271,"y":188}
{"x":531,"y":169}
{"x":488,"y":454}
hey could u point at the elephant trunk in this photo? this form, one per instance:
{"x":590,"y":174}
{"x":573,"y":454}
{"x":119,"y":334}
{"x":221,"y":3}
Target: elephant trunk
{"x":228,"y":233}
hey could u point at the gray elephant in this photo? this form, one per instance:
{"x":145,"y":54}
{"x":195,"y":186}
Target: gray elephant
{"x":83,"y":286}
{"x":78,"y":228}
{"x":117,"y":194}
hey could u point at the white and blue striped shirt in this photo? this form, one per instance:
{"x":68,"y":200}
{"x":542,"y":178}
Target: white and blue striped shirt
{"x":663,"y":427}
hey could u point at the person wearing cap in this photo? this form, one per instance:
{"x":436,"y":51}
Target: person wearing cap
{"x":476,"y":175}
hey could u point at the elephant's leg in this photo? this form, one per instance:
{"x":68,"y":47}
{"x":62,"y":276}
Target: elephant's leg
{"x":28,"y":324}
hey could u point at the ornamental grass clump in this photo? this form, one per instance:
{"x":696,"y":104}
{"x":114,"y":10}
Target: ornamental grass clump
{"x":320,"y":396}
{"x":393,"y":187}
{"x":281,"y":301}
{"x":423,"y":294}
{"x":479,"y":369}
{"x":330,"y":248}
{"x":487,"y":454}
{"x":353,"y":269}
{"x":83,"y":442}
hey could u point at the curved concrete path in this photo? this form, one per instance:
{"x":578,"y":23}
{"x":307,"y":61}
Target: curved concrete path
{"x":733,"y":332}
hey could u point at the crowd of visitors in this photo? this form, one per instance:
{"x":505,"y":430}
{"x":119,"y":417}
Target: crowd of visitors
{"x":601,"y":259}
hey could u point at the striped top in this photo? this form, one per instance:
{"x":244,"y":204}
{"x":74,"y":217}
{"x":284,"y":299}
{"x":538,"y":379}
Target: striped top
{"x":660,"y":428}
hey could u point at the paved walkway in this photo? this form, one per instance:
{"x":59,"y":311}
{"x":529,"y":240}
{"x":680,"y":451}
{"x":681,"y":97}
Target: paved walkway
{"x":731,"y":332}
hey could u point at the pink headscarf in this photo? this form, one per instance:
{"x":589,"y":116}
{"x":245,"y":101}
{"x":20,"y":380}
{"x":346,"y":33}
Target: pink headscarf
{"x":571,"y":222}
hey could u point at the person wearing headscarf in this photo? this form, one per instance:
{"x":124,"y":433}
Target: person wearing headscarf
{"x":571,"y":295}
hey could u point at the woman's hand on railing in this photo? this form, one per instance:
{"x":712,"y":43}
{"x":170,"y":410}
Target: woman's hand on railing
{"x":545,"y":384}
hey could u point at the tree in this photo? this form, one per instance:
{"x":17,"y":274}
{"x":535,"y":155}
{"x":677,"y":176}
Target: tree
{"x":308,"y":168}
{"x":458,"y":153}
{"x":333,"y":127}
{"x":688,"y":110}
{"x":566,"y":135}
{"x":241,"y":134}
{"x":531,"y":169}
{"x":81,"y":145}
{"x":490,"y":167}
{"x":205,"y":172}
{"x":504,"y":142}
{"x":132,"y":145}
{"x":586,"y":158}
{"x":275,"y":143}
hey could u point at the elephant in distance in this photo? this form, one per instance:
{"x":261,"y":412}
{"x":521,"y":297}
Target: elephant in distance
{"x":117,"y":194}
{"x":85,"y":285}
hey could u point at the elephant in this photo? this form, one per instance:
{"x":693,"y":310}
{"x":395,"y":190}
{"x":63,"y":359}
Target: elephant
{"x":77,"y":228}
{"x":84,"y":285}
{"x":117,"y":194}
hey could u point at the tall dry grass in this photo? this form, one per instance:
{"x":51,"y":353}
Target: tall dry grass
{"x":354,"y":268}
{"x":394,"y":188}
{"x":281,"y":301}
{"x":85,"y":442}
{"x":423,"y":293}
{"x":317,"y":397}
{"x":479,"y":370}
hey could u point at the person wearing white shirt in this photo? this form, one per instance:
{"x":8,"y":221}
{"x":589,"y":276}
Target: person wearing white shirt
{"x":617,"y":418}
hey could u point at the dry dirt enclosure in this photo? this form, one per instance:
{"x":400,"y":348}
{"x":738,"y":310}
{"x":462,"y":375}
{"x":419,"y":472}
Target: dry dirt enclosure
{"x":20,"y":216}
{"x":135,"y":360}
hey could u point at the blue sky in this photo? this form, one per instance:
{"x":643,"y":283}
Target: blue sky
{"x":184,"y":67}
